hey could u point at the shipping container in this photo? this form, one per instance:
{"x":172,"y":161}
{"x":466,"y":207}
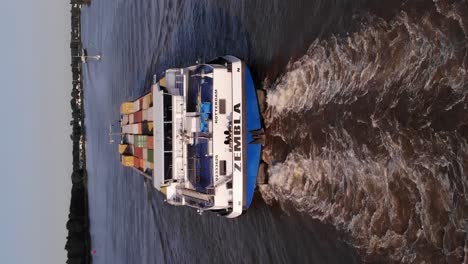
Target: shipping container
{"x":149,"y":142}
{"x":136,"y":162}
{"x":137,"y":117}
{"x":124,"y":119}
{"x":147,"y":128}
{"x":145,"y":154}
{"x":127,"y":108}
{"x":130,"y":139}
{"x":132,"y":129}
{"x":162,"y":82}
{"x":130,"y":150}
{"x":144,"y":115}
{"x":138,"y":128}
{"x":147,"y":100}
{"x":149,"y":165}
{"x":150,"y":155}
{"x":150,"y":126}
{"x":150,"y":95}
{"x":140,"y":141}
{"x":128,"y":161}
{"x":125,"y":129}
{"x":138,"y":152}
{"x":136,"y":106}
{"x":145,"y":103}
{"x":140,"y":102}
{"x":122,"y":148}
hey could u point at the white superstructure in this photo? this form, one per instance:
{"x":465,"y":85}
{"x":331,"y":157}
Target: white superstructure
{"x":199,"y":110}
{"x":199,"y":136}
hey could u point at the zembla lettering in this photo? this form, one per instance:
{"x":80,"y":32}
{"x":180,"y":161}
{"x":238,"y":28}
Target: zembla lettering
{"x":237,"y":138}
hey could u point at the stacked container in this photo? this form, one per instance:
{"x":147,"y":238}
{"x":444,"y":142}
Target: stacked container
{"x":136,"y":150}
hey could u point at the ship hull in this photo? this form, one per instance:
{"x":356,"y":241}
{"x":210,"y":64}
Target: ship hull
{"x":249,"y":119}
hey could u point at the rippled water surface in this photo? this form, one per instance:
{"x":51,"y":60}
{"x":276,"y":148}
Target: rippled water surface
{"x":366,"y":124}
{"x":375,"y":124}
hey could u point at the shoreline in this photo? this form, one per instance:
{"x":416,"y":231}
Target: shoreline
{"x":78,"y":245}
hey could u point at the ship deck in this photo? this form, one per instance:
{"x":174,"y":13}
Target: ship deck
{"x":199,"y":99}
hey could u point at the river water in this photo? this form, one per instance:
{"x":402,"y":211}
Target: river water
{"x":366,"y":124}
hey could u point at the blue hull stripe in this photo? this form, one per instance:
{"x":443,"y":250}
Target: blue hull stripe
{"x":254,"y":151}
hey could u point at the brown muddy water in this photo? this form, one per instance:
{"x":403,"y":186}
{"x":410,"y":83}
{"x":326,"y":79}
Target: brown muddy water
{"x":369,"y":132}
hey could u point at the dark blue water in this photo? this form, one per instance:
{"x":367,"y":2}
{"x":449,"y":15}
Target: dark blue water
{"x":367,"y":129}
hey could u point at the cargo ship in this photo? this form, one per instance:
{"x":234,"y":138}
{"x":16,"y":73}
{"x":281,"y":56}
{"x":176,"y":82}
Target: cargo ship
{"x":197,"y":135}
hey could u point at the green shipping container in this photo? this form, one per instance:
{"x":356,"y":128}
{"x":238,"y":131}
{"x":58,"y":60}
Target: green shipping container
{"x":150,"y":155}
{"x":140,"y":141}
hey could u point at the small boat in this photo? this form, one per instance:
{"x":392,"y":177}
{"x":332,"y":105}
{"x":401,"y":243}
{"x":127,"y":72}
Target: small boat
{"x":197,"y":136}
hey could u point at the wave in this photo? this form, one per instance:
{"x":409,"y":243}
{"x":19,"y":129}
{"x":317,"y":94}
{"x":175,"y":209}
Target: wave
{"x":374,"y":135}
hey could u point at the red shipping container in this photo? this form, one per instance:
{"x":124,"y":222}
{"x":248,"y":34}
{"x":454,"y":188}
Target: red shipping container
{"x":149,"y":143}
{"x":138,"y":117}
{"x":138,"y":152}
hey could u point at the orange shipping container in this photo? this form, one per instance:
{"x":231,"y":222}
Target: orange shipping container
{"x":149,"y":143}
{"x":136,"y":162}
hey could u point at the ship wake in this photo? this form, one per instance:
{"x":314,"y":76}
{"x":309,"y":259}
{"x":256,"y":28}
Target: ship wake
{"x":369,"y":132}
